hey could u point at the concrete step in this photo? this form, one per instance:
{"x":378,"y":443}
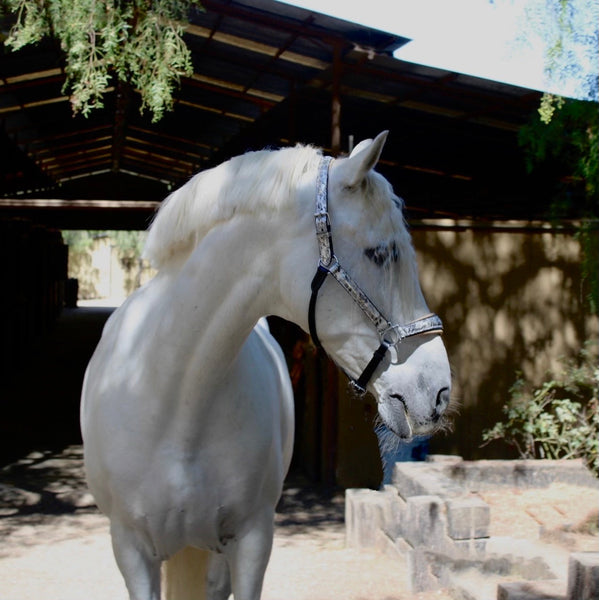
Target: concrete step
{"x":583,"y":576}
{"x":471,"y":584}
{"x":582,"y":583}
{"x":552,"y":589}
{"x":491,"y":579}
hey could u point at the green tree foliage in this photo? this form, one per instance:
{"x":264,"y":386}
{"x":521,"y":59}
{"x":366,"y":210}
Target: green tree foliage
{"x":128,"y":242}
{"x":565,"y":132}
{"x":138,"y":41}
{"x":128,"y":245}
{"x":566,"y":31}
{"x":559,"y":419}
{"x":568,"y":131}
{"x":568,"y":135}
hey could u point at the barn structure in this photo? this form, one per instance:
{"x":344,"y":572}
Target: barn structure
{"x":267,"y":74}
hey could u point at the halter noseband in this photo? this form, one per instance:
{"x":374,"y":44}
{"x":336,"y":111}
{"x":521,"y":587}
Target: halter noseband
{"x":390,"y":334}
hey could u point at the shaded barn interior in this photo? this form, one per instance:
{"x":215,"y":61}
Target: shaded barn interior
{"x":266,"y":74}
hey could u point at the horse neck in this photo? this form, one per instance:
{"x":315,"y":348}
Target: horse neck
{"x":211,"y":302}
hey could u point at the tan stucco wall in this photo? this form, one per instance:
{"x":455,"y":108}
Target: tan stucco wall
{"x":511,"y":298}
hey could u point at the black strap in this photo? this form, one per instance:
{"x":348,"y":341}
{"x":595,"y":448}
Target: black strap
{"x":317,"y":281}
{"x":360,"y":385}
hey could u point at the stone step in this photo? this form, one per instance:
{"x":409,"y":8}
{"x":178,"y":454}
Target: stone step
{"x":471,"y":584}
{"x":583,"y":576}
{"x":485,"y":583}
{"x":583,"y":583}
{"x":552,"y":589}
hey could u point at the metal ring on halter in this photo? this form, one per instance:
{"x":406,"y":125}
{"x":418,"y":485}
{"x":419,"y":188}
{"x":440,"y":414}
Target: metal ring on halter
{"x":395,"y":338}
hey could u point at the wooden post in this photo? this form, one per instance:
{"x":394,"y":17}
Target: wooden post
{"x":336,"y":102}
{"x":123,"y":100}
{"x":330,"y":423}
{"x":292,"y":114}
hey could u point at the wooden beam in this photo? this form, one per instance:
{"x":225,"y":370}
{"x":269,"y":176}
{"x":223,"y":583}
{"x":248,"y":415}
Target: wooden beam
{"x":78,"y":204}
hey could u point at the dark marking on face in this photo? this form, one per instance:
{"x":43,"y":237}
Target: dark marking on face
{"x":382,"y":254}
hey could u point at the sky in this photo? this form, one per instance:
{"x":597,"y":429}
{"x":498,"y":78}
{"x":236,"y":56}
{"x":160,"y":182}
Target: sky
{"x":486,"y":38}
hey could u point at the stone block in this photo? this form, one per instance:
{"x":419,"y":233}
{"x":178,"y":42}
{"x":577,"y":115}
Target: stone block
{"x":424,"y":479}
{"x":446,"y":459}
{"x":386,"y":546}
{"x":468,"y":518}
{"x":420,"y":576}
{"x":425,"y":521}
{"x":394,"y":508}
{"x":366,"y":512}
{"x":532,"y":590}
{"x":583,"y":576}
{"x":471,"y":548}
{"x":403,"y":548}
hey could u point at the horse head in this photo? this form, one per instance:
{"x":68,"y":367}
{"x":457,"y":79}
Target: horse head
{"x":376,"y":324}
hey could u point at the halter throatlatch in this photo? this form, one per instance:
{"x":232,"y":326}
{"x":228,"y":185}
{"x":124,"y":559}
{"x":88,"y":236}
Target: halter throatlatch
{"x":390,"y":334}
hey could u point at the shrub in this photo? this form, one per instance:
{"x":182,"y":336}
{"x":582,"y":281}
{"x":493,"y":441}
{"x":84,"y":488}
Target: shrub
{"x":559,"y":419}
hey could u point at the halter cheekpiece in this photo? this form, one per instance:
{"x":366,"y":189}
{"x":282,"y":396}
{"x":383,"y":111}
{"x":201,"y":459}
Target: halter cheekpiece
{"x":390,"y":334}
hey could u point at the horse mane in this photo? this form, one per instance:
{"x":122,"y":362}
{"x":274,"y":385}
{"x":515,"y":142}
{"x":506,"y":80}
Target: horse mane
{"x":247,"y":184}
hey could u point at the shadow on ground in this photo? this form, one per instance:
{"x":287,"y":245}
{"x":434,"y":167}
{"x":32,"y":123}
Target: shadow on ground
{"x":47,"y":484}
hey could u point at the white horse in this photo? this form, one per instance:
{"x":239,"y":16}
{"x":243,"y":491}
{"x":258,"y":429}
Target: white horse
{"x":187,"y":412}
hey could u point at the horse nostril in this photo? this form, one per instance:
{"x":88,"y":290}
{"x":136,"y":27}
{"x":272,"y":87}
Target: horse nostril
{"x":441,"y":402}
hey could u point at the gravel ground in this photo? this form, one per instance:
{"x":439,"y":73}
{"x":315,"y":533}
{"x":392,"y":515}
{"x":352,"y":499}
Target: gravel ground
{"x":56,"y":546}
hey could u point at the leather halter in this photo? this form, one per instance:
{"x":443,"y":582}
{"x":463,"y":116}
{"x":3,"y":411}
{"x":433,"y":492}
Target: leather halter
{"x":390,"y":334}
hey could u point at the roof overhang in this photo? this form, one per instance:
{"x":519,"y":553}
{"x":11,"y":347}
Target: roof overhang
{"x":265,"y":74}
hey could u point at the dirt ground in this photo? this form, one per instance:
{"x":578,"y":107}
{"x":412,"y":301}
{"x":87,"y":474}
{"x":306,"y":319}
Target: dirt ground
{"x":55,"y":544}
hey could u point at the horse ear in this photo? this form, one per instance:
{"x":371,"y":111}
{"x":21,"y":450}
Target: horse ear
{"x":357,"y":149}
{"x":362,"y":159}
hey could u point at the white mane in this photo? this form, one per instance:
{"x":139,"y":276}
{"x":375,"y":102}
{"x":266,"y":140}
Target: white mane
{"x":246,"y":184}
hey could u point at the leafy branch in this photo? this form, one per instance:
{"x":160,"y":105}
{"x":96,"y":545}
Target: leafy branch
{"x":559,"y":419}
{"x":139,"y":41}
{"x":565,"y":134}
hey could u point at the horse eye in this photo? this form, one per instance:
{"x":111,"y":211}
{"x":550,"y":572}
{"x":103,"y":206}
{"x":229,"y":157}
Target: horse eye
{"x":382,"y":254}
{"x":378,"y":255}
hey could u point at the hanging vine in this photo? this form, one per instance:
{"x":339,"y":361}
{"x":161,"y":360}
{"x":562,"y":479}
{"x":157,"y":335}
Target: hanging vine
{"x":138,"y":41}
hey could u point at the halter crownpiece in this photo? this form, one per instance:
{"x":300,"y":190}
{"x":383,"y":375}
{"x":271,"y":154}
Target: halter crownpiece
{"x":390,"y":334}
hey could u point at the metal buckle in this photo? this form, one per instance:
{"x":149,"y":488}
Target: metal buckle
{"x":356,"y":388}
{"x":333,"y":265}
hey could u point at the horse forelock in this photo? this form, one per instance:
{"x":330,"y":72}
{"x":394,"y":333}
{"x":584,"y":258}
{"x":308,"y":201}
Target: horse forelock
{"x":247,"y":184}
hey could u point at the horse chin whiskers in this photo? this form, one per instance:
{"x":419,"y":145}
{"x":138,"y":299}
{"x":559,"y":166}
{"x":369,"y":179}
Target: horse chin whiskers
{"x":445,"y":423}
{"x":389,"y":441}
